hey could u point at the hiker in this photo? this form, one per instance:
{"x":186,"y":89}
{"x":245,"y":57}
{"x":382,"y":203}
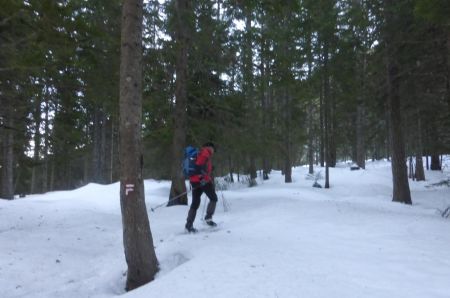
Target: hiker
{"x":202,"y":183}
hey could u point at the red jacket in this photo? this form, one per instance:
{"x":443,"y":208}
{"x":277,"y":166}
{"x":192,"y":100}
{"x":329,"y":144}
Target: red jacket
{"x":204,"y":163}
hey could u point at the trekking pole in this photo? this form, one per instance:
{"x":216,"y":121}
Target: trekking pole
{"x":171,"y":199}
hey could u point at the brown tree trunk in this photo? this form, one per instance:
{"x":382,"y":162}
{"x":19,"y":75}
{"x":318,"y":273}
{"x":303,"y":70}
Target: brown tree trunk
{"x":265,"y":94}
{"x":326,"y":114}
{"x":420,"y":173}
{"x":252,"y":170}
{"x":37,"y":148}
{"x":322,"y":128}
{"x":360,"y":144}
{"x":109,"y":150}
{"x":182,"y":11}
{"x":411,"y":168}
{"x":310,"y":141}
{"x":360,"y":117}
{"x":287,"y":139}
{"x":401,"y":192}
{"x":46,"y":146}
{"x":99,"y":153}
{"x":447,"y":58}
{"x":310,"y":116}
{"x":435,"y":163}
{"x":7,"y":133}
{"x":230,"y":166}
{"x":248,"y":87}
{"x":137,"y":238}
{"x":332,"y":124}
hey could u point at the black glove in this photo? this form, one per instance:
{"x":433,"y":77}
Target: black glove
{"x":203,"y":182}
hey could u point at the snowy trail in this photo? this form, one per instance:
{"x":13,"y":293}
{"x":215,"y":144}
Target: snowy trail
{"x":278,"y":240}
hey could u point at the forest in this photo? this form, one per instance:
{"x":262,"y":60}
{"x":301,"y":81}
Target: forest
{"x":274,"y":84}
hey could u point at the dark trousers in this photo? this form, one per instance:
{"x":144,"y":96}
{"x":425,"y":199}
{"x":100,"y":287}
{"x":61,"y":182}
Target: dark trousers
{"x":197,"y":191}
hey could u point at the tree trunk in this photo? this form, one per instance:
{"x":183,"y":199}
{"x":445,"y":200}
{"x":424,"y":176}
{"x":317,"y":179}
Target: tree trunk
{"x":401,"y":192}
{"x":326,"y":118}
{"x":388,"y":133}
{"x":248,"y":88}
{"x":264,"y":103}
{"x":435,"y":163}
{"x":252,"y":170}
{"x":420,"y":173}
{"x":360,"y":117}
{"x":360,"y":144}
{"x":46,"y":145}
{"x":310,"y":142}
{"x":52,"y":176}
{"x":99,"y":144}
{"x":411,"y":168}
{"x":287,"y":138}
{"x":332,"y":124}
{"x":447,"y":58}
{"x":322,"y":128}
{"x":138,"y":242}
{"x":7,"y":133}
{"x":310,"y":116}
{"x":108,"y":149}
{"x":230,"y":166}
{"x":182,"y":11}
{"x":37,"y":147}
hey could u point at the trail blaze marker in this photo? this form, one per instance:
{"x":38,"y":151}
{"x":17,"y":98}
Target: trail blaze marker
{"x":129,"y":188}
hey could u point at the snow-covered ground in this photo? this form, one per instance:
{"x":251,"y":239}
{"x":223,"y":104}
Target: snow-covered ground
{"x":276,"y":240}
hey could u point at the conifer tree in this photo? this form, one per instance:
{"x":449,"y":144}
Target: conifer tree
{"x":137,"y":238}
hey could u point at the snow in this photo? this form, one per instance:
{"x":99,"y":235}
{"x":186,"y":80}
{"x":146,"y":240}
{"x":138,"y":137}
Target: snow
{"x":276,"y":240}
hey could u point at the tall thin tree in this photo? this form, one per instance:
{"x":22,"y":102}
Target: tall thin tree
{"x":401,"y":192}
{"x":137,"y":238}
{"x":178,"y":187}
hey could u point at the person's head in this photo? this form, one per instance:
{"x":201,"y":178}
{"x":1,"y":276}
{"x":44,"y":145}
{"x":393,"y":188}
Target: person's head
{"x":210,"y":145}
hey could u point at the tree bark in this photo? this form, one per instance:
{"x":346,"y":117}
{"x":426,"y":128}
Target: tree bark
{"x":46,"y":144}
{"x":137,"y":238}
{"x":360,"y":144}
{"x":420,"y":173}
{"x":287,"y":139}
{"x":332,"y":124}
{"x":7,"y":132}
{"x":360,"y":123}
{"x":447,"y":58}
{"x":37,"y":147}
{"x":182,"y":10}
{"x":310,"y":117}
{"x":264,"y":89}
{"x":99,"y":153}
{"x":248,"y":86}
{"x":326,"y":116}
{"x":435,"y":163}
{"x":322,"y":128}
{"x":401,"y":192}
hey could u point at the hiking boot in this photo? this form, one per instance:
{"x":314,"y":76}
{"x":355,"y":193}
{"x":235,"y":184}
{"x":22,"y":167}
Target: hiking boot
{"x":210,"y":222}
{"x":190,"y":229}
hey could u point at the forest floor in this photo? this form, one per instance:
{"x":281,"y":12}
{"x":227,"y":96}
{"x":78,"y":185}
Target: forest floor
{"x":273,"y":240}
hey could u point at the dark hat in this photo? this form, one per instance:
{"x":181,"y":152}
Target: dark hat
{"x":210,"y":144}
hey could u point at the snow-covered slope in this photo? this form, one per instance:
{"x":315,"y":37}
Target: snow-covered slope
{"x":276,"y":240}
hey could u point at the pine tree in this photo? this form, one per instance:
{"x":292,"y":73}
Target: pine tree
{"x":138,"y":243}
{"x":183,"y":19}
{"x":401,"y":192}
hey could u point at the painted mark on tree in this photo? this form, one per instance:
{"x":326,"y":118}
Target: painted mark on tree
{"x":129,"y":188}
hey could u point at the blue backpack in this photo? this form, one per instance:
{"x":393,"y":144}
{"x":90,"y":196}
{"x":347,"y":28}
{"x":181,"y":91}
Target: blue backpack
{"x":190,"y":156}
